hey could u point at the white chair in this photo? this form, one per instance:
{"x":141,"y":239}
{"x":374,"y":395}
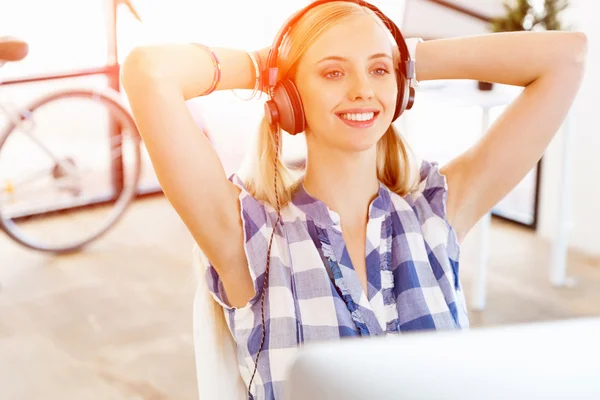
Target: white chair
{"x":216,"y":360}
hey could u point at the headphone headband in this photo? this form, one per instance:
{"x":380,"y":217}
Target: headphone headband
{"x":407,"y":68}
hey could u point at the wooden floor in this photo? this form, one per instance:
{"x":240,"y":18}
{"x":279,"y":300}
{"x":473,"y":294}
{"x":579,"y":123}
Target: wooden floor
{"x":114,"y":322}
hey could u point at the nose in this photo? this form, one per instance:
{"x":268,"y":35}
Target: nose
{"x":361,"y":88}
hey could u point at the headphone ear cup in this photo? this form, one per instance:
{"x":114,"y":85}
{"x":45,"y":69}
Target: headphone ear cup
{"x":402,"y":99}
{"x":411,"y":98}
{"x":285,"y":108}
{"x":292,"y":121}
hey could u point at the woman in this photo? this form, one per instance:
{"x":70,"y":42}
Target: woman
{"x":363,"y":243}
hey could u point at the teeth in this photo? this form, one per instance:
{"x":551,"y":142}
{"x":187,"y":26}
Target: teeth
{"x":359,"y":117}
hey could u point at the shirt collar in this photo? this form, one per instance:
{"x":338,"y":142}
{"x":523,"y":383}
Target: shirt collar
{"x":321,"y":214}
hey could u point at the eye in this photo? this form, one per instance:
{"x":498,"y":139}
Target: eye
{"x":381,"y":71}
{"x":333,"y":74}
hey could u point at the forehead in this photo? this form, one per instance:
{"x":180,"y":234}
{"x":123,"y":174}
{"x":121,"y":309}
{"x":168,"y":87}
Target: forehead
{"x":353,"y":37}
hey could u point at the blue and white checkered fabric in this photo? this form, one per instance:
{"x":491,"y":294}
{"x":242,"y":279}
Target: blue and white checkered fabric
{"x":314,"y":293}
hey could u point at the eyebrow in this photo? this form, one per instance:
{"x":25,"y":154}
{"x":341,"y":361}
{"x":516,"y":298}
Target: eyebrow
{"x":339,"y":58}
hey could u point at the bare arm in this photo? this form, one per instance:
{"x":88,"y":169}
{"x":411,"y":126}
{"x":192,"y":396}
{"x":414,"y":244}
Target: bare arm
{"x":550,"y":65}
{"x":158,"y":80}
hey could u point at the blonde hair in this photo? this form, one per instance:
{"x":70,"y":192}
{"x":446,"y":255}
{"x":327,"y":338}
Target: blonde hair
{"x":394,"y":166}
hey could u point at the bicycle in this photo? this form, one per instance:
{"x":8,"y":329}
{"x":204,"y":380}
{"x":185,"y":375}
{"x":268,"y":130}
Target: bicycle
{"x":64,"y":174}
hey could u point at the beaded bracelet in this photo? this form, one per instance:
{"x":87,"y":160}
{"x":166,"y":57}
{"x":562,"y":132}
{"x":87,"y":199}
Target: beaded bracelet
{"x":256,"y":82}
{"x":217,"y":65}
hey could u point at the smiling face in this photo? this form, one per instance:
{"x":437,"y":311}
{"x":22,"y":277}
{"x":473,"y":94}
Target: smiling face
{"x":348,"y":85}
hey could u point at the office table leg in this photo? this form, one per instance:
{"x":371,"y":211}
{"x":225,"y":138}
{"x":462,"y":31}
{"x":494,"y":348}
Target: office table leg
{"x":558,"y":263}
{"x":480,"y":292}
{"x":483,"y":245}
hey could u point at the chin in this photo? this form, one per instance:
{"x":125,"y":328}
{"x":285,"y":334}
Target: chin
{"x":362,"y":141}
{"x":361,"y":144}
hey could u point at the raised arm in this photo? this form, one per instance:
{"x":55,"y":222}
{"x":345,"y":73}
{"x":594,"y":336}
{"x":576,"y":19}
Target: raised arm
{"x":158,"y":80}
{"x":550,"y":65}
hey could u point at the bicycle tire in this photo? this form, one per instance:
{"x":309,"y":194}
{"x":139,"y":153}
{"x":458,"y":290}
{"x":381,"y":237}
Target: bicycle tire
{"x":109,"y":98}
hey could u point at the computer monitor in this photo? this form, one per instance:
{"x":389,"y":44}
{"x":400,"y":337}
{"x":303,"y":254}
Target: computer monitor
{"x":551,"y":360}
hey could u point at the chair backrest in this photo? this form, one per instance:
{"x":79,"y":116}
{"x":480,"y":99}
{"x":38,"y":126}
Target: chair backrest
{"x":215,"y":350}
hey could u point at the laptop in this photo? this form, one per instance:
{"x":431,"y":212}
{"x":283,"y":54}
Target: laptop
{"x":550,"y":360}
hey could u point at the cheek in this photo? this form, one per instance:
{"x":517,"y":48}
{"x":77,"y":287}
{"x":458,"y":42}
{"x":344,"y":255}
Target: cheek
{"x":318,"y":103}
{"x":388,"y":95}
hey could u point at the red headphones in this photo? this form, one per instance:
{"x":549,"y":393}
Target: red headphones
{"x":285,"y":106}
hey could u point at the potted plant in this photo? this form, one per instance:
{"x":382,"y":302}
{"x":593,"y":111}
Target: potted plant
{"x":528,"y":15}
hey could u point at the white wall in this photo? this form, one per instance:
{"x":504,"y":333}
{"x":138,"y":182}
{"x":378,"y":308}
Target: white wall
{"x":585,"y":144}
{"x":586,"y":191}
{"x":429,"y":20}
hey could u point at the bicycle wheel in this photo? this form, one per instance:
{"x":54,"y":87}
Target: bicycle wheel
{"x":69,"y":167}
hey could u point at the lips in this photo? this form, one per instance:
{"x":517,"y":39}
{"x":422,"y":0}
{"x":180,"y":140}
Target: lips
{"x":358,"y":117}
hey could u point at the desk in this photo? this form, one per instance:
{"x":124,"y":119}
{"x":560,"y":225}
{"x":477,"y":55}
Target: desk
{"x":465,"y":93}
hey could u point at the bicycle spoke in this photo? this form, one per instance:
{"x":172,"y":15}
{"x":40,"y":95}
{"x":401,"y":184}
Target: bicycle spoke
{"x":44,"y":148}
{"x":27,"y":179}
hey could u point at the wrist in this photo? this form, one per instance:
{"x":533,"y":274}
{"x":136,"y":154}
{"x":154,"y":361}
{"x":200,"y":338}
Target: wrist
{"x":253,"y":83}
{"x":262,"y":56}
{"x":413,"y":44}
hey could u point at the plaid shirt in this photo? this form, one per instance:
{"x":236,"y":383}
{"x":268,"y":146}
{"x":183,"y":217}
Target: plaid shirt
{"x":314,"y":293}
